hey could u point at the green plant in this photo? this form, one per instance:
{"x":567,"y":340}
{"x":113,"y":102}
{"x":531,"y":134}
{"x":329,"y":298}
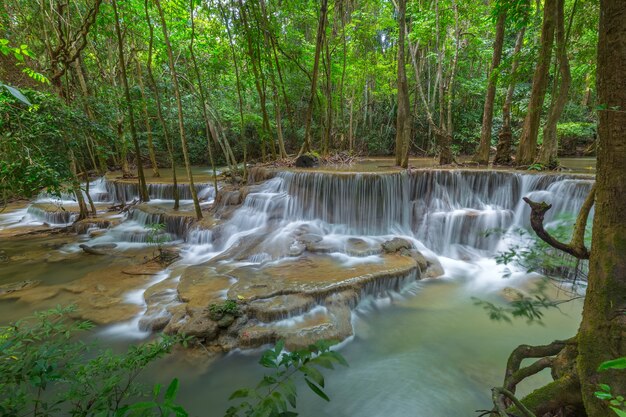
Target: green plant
{"x":276,"y":393}
{"x":218,"y":311}
{"x":616,"y":402}
{"x":46,"y":371}
{"x":157,"y":237}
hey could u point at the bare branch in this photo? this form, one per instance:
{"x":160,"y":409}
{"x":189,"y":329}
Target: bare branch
{"x":576,"y":247}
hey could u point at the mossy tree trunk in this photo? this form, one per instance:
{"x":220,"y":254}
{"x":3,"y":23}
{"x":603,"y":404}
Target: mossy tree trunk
{"x":602,"y":334}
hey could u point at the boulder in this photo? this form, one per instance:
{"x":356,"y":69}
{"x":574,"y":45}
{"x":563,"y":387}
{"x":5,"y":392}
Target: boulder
{"x":396,"y":244}
{"x":307,"y":161}
{"x":199,"y":325}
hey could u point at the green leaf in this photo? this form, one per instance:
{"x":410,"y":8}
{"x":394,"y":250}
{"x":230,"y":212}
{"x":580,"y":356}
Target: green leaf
{"x":240,"y":393}
{"x":172,"y":389}
{"x":619,"y":363}
{"x":16,"y":93}
{"x":316,"y":389}
{"x":603,"y":395}
{"x":620,"y":413}
{"x":314,"y":374}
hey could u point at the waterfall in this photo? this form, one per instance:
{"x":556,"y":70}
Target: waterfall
{"x":448,"y":211}
{"x":123,"y":192}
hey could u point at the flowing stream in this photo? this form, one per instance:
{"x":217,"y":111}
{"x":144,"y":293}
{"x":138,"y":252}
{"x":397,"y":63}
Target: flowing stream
{"x":418,"y":348}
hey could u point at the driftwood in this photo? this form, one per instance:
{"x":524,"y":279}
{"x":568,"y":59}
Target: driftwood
{"x":576,"y":247}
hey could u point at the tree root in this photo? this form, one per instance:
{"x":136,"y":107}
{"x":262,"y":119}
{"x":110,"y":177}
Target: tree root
{"x":561,"y":397}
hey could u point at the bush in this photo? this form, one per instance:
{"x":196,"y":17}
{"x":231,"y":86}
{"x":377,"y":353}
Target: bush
{"x":46,"y":372}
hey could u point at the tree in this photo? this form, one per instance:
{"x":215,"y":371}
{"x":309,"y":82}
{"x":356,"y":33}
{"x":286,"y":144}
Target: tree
{"x":319,"y":42}
{"x":403,"y":121}
{"x":600,"y":337}
{"x":563,"y":79}
{"x":482,"y":156}
{"x":179,"y":108}
{"x":143,"y":189}
{"x":528,"y":141}
{"x":604,"y":323}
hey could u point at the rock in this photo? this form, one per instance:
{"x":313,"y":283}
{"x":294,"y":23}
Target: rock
{"x":309,"y":238}
{"x":201,"y":285}
{"x":512,"y":294}
{"x":360,"y":247}
{"x":225,"y":321}
{"x":200,"y":325}
{"x":421,"y":260}
{"x":17,"y":286}
{"x":104,"y":246}
{"x":307,"y":161}
{"x":396,"y":244}
{"x":322,"y":247}
{"x":97,"y":232}
{"x":280,"y":307}
{"x":434,"y":269}
{"x":296,"y":249}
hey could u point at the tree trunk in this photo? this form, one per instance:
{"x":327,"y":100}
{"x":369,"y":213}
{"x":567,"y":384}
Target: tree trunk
{"x":528,"y":140}
{"x":242,"y":137}
{"x":143,"y":189}
{"x":482,"y":156}
{"x":168,"y":141}
{"x":179,"y":105}
{"x":548,"y":153}
{"x":207,"y":124}
{"x":151,"y":153}
{"x":505,"y":137}
{"x":403,"y":120}
{"x":601,"y":334}
{"x":321,"y":29}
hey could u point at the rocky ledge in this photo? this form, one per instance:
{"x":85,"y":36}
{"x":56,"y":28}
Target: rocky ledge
{"x":297,"y":299}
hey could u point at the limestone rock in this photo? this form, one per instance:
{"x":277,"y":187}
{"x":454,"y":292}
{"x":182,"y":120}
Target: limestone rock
{"x":359,"y":247}
{"x":396,"y":244}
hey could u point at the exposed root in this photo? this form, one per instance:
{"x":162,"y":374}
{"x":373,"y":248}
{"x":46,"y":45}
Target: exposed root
{"x":561,"y":397}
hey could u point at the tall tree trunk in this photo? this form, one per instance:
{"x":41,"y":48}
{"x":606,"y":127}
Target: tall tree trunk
{"x":548,"y":153}
{"x":528,"y":140}
{"x":319,"y":43}
{"x":272,"y":55}
{"x":242,"y":137}
{"x":255,"y":59}
{"x":143,"y":189}
{"x":601,"y":334}
{"x":482,"y":156}
{"x":144,"y":99}
{"x":329,"y":99}
{"x":179,"y":106}
{"x":505,"y":137}
{"x":205,"y":115}
{"x":168,"y":141}
{"x":403,"y":120}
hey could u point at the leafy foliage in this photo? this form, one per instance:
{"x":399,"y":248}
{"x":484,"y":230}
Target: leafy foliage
{"x":616,"y":402}
{"x":46,"y":372}
{"x":275,"y":395}
{"x":218,"y":311}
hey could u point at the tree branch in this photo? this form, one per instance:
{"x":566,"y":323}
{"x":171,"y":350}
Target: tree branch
{"x":576,"y":247}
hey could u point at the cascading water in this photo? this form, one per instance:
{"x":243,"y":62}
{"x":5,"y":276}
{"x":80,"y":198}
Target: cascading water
{"x":447,"y":211}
